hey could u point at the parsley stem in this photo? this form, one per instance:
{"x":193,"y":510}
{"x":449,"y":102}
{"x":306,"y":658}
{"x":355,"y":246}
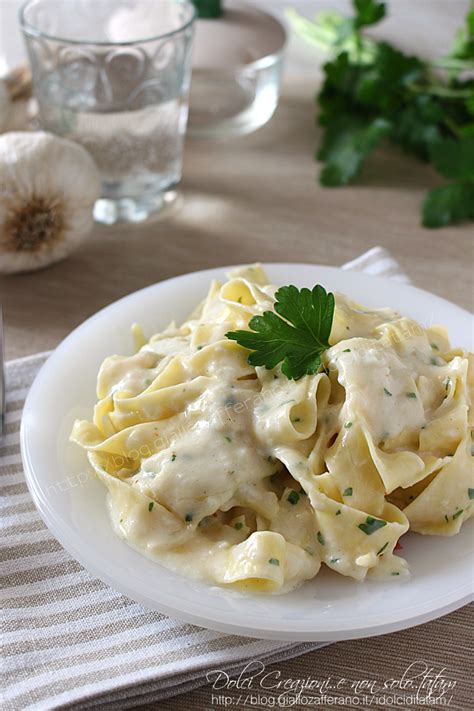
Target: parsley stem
{"x":442,"y":91}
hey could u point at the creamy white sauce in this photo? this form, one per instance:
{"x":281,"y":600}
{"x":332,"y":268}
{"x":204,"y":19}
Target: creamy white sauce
{"x":243,"y":478}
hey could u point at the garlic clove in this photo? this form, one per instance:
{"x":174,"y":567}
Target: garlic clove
{"x":48,"y":186}
{"x":5,"y":106}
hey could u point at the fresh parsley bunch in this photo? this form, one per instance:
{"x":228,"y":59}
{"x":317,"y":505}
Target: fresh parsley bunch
{"x":372,"y":91}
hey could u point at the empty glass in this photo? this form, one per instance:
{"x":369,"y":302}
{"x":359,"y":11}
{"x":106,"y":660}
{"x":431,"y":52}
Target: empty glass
{"x":114,"y":75}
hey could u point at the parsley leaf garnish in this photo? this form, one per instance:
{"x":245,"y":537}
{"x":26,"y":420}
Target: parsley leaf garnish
{"x":293,"y":497}
{"x":297,"y":334}
{"x":371,"y":525}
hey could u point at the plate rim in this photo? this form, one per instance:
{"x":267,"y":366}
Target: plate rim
{"x":452,"y":601}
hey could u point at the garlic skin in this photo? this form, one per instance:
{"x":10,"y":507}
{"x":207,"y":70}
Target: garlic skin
{"x":48,"y":186}
{"x":5,"y":106}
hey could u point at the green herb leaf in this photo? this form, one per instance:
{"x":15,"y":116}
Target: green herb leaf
{"x":348,"y":491}
{"x":293,"y":497}
{"x":470,"y":493}
{"x":457,"y":514}
{"x":298,"y":339}
{"x":320,"y":538}
{"x":347,"y":144}
{"x":188,"y":518}
{"x":274,"y":561}
{"x":150,"y":505}
{"x":387,"y":392}
{"x":448,"y":204}
{"x":381,"y":550}
{"x":369,"y":12}
{"x":208,"y":8}
{"x":454,"y":159}
{"x":371,"y":525}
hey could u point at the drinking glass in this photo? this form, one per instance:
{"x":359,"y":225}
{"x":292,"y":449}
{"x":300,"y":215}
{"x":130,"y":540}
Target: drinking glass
{"x":114,"y":75}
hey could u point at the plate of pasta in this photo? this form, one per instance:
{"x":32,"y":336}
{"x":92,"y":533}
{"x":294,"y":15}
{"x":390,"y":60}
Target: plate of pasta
{"x":280,"y":451}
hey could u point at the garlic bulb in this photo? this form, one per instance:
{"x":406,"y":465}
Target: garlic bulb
{"x":48,"y":187}
{"x":5,"y":106}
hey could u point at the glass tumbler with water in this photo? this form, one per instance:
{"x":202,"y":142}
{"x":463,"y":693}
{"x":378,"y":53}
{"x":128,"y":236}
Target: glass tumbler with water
{"x":114,"y":75}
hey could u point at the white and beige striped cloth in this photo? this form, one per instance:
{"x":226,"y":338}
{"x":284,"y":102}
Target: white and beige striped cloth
{"x":70,"y":640}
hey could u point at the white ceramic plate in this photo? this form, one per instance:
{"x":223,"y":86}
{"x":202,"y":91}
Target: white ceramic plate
{"x":72,"y":502}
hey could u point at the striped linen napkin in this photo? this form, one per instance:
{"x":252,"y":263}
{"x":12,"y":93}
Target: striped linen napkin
{"x":69,"y":639}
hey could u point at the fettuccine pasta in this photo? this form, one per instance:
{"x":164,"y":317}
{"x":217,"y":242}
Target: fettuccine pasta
{"x":237,"y":475}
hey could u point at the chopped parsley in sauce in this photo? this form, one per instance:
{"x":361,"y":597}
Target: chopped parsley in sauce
{"x":188,"y":518}
{"x":446,"y":518}
{"x":173,"y":457}
{"x":411,"y":395}
{"x":338,"y":512}
{"x":293,"y":497}
{"x":387,"y":392}
{"x":348,"y":491}
{"x":320,"y":538}
{"x":346,"y":350}
{"x":394,"y":573}
{"x":150,"y":505}
{"x":238,"y":525}
{"x":274,"y":561}
{"x":229,"y":439}
{"x":334,"y":560}
{"x":371,"y":525}
{"x":381,"y":550}
{"x":434,"y":347}
{"x":470,"y":493}
{"x":457,"y":514}
{"x":348,"y":425}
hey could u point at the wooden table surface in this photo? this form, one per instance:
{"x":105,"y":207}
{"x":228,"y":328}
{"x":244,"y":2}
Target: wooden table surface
{"x":256,"y":198}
